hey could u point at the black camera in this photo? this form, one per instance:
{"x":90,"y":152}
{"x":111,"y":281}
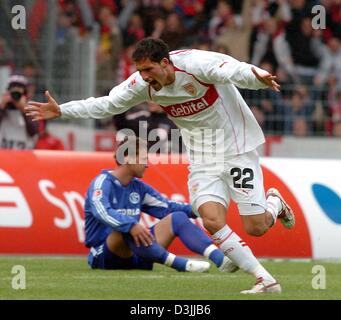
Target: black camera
{"x":16,"y":95}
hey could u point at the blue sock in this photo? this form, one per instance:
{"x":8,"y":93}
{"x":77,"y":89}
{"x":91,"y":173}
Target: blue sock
{"x":217,"y":257}
{"x":156,"y":253}
{"x":194,"y":238}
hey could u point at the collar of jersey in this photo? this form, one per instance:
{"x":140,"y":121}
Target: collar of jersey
{"x":114,"y":179}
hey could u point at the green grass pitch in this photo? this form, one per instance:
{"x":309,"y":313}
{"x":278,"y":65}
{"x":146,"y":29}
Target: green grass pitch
{"x":70,"y":278}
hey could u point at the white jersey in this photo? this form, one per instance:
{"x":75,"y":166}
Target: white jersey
{"x":203,"y":102}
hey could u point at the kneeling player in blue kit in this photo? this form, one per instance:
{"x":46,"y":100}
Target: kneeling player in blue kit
{"x":114,"y":202}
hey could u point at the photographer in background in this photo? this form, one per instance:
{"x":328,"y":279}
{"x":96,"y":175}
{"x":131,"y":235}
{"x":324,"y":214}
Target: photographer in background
{"x":17,"y":131}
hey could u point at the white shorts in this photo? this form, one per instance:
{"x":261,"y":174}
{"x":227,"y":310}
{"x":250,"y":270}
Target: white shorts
{"x":240,"y":178}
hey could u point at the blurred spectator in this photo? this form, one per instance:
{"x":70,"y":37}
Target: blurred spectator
{"x":66,"y":35}
{"x":237,"y":29}
{"x":109,"y":49}
{"x":97,"y":6}
{"x":222,"y":12}
{"x":330,"y":62}
{"x":335,"y":109}
{"x":190,"y":11}
{"x":303,"y":50}
{"x":269,"y":33}
{"x":126,"y":65}
{"x":16,"y":130}
{"x":337,"y":129}
{"x":135,"y":28}
{"x":265,"y":9}
{"x":335,"y":106}
{"x":6,"y":55}
{"x":174,"y":33}
{"x":6,"y":63}
{"x":35,"y":87}
{"x":167,"y":7}
{"x":300,"y":127}
{"x":71,"y":11}
{"x":299,"y":9}
{"x":333,"y":19}
{"x":46,"y":140}
{"x":203,"y":43}
{"x":267,"y":106}
{"x":271,"y":46}
{"x":64,"y":24}
{"x":298,"y":107}
{"x":151,"y":12}
{"x":220,"y":47}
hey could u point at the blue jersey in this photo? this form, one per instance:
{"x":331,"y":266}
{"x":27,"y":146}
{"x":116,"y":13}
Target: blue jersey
{"x":111,"y":206}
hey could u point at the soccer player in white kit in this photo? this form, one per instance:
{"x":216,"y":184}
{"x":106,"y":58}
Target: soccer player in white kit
{"x":197,"y":89}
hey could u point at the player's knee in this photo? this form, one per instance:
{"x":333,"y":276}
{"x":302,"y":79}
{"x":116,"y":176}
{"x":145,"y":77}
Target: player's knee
{"x":212,"y":224}
{"x":256,"y":230}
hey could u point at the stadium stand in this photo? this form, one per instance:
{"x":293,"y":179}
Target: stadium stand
{"x":83,"y":48}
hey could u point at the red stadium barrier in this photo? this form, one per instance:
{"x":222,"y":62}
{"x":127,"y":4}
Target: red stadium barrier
{"x":42,"y":196}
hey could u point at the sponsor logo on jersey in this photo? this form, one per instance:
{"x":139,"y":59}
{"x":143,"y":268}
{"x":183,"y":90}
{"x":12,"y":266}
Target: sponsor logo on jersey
{"x":194,"y":187}
{"x":129,"y":212}
{"x":132,"y":83}
{"x":134,"y":198}
{"x":190,"y":88}
{"x":192,"y":107}
{"x":97,"y":194}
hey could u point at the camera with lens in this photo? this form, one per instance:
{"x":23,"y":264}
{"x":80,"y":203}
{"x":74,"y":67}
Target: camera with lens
{"x":16,"y":95}
{"x":17,"y":88}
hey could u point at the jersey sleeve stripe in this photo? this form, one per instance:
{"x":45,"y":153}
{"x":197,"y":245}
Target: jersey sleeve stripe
{"x":153,"y":202}
{"x":99,"y":206}
{"x":104,"y":214}
{"x":99,"y":180}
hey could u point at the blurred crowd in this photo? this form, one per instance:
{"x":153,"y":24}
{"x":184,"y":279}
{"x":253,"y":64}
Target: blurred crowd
{"x":276,"y":35}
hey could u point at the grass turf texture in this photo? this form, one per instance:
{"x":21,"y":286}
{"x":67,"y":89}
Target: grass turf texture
{"x":70,"y":278}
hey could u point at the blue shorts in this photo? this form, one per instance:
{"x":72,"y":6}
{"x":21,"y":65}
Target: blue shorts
{"x":102,"y":258}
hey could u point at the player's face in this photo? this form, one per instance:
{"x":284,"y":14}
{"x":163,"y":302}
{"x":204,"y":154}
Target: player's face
{"x":140,"y":166}
{"x":156,"y":74}
{"x":139,"y":170}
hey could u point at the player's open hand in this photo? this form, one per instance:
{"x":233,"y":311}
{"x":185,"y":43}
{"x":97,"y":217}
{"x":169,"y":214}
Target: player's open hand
{"x":268,"y":79}
{"x":41,"y":111}
{"x":141,"y":235}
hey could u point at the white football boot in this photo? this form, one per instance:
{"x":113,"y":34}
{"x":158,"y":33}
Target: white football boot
{"x":286,"y":216}
{"x":228,"y":266}
{"x":197,"y":266}
{"x":263,"y":286}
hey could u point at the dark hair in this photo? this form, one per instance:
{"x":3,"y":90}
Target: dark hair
{"x":17,"y":81}
{"x":149,"y":48}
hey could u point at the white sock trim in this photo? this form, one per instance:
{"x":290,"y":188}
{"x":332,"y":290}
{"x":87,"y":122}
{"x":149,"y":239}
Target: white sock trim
{"x":209,"y":250}
{"x":170,"y":259}
{"x":261,"y":272}
{"x":272,"y":210}
{"x":220,"y":235}
{"x":274,"y":206}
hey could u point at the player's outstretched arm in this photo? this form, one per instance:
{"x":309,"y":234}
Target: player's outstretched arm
{"x":268,"y":79}
{"x":43,"y":111}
